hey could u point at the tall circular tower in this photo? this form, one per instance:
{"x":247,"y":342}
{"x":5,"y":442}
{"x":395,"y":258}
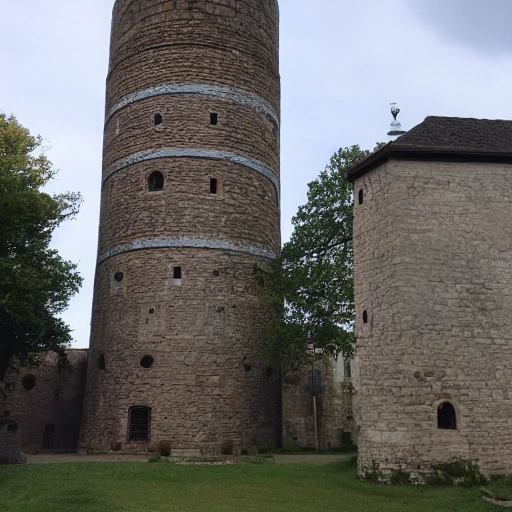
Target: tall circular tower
{"x":190,"y":204}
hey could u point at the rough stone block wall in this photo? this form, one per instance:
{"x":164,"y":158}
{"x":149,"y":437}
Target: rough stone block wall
{"x":335,"y":421}
{"x":193,"y":94}
{"x":51,"y":393}
{"x":10,"y":449}
{"x":433,"y":253}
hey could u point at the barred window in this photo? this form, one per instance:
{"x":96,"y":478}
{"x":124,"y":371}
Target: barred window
{"x":314,"y":378}
{"x":140,"y":420}
{"x":49,"y":437}
{"x":314,"y":386}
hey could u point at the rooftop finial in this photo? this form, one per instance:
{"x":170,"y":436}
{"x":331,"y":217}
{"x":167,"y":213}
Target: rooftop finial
{"x":396,"y":127}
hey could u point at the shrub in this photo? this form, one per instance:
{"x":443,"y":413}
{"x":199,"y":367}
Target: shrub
{"x":153,"y":447}
{"x":373,"y":474}
{"x":400,"y":477}
{"x":458,"y":472}
{"x":226,"y":448}
{"x":164,"y":448}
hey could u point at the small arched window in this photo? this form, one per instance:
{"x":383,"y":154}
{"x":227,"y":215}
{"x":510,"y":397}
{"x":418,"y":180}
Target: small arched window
{"x":446,"y":417}
{"x":158,"y":119}
{"x":155,"y":181}
{"x":361,"y":196}
{"x":365,"y":317}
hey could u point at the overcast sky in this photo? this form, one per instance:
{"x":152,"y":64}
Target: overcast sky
{"x":342,"y":63}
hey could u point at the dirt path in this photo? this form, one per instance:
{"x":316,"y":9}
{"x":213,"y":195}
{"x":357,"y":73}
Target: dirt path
{"x":313,"y":458}
{"x":54,"y":458}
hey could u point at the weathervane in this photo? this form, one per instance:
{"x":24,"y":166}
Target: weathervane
{"x":396,"y":127}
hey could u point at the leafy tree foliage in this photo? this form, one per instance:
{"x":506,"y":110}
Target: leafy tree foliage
{"x":35,"y":282}
{"x":311,"y":282}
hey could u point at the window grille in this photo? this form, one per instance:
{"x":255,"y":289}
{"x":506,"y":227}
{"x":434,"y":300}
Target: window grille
{"x":49,"y":437}
{"x":139,"y":424}
{"x":314,"y":382}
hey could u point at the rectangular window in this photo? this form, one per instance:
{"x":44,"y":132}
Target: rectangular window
{"x":213,"y":185}
{"x":139,"y":424}
{"x":213,"y":118}
{"x":176,"y":274}
{"x":314,"y":378}
{"x":347,"y":368}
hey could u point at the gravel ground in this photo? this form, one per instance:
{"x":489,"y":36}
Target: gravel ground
{"x":53,"y":458}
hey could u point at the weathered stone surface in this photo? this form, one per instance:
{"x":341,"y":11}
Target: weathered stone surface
{"x":209,"y":385}
{"x":50,"y":394}
{"x":433,"y":253}
{"x":10,"y":449}
{"x":335,"y":421}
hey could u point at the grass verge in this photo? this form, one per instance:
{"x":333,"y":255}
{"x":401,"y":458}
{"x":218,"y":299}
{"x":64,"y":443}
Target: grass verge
{"x":127,"y":487}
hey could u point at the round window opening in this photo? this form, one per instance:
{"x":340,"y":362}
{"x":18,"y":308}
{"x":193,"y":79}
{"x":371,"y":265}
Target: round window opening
{"x":118,"y":276}
{"x":29,"y":382}
{"x":146,"y":362}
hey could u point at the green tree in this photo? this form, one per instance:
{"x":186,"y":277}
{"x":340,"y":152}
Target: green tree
{"x":310,"y":283}
{"x":35,"y":282}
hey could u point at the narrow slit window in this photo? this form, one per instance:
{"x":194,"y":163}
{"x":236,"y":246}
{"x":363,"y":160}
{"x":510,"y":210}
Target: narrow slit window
{"x":347,"y":368}
{"x":446,"y":417}
{"x":158,"y":119}
{"x":213,"y":185}
{"x":176,"y":273}
{"x":155,"y":181}
{"x":213,"y":118}
{"x":140,"y":418}
{"x":365,"y":317}
{"x":361,"y":196}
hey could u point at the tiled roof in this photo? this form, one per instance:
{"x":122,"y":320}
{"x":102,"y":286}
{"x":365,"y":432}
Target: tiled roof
{"x":446,"y":139}
{"x":458,"y":132}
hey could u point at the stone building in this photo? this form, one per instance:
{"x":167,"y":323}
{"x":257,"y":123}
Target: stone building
{"x":335,"y":420}
{"x":10,"y":448}
{"x":433,"y":294}
{"x":45,"y":401}
{"x":190,"y":204}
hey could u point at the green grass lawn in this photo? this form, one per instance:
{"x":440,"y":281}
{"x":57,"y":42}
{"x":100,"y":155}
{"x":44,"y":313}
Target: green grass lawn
{"x":139,"y":487}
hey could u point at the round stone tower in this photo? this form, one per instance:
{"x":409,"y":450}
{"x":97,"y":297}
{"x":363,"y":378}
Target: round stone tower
{"x":190,"y":204}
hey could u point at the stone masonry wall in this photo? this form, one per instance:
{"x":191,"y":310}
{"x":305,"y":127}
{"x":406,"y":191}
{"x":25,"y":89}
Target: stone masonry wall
{"x":51,"y":393}
{"x":433,"y":253}
{"x":192,"y":93}
{"x":334,"y":408}
{"x":10,"y":449}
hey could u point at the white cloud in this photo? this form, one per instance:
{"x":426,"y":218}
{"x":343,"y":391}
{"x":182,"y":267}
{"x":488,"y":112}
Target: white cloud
{"x":342,"y":62}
